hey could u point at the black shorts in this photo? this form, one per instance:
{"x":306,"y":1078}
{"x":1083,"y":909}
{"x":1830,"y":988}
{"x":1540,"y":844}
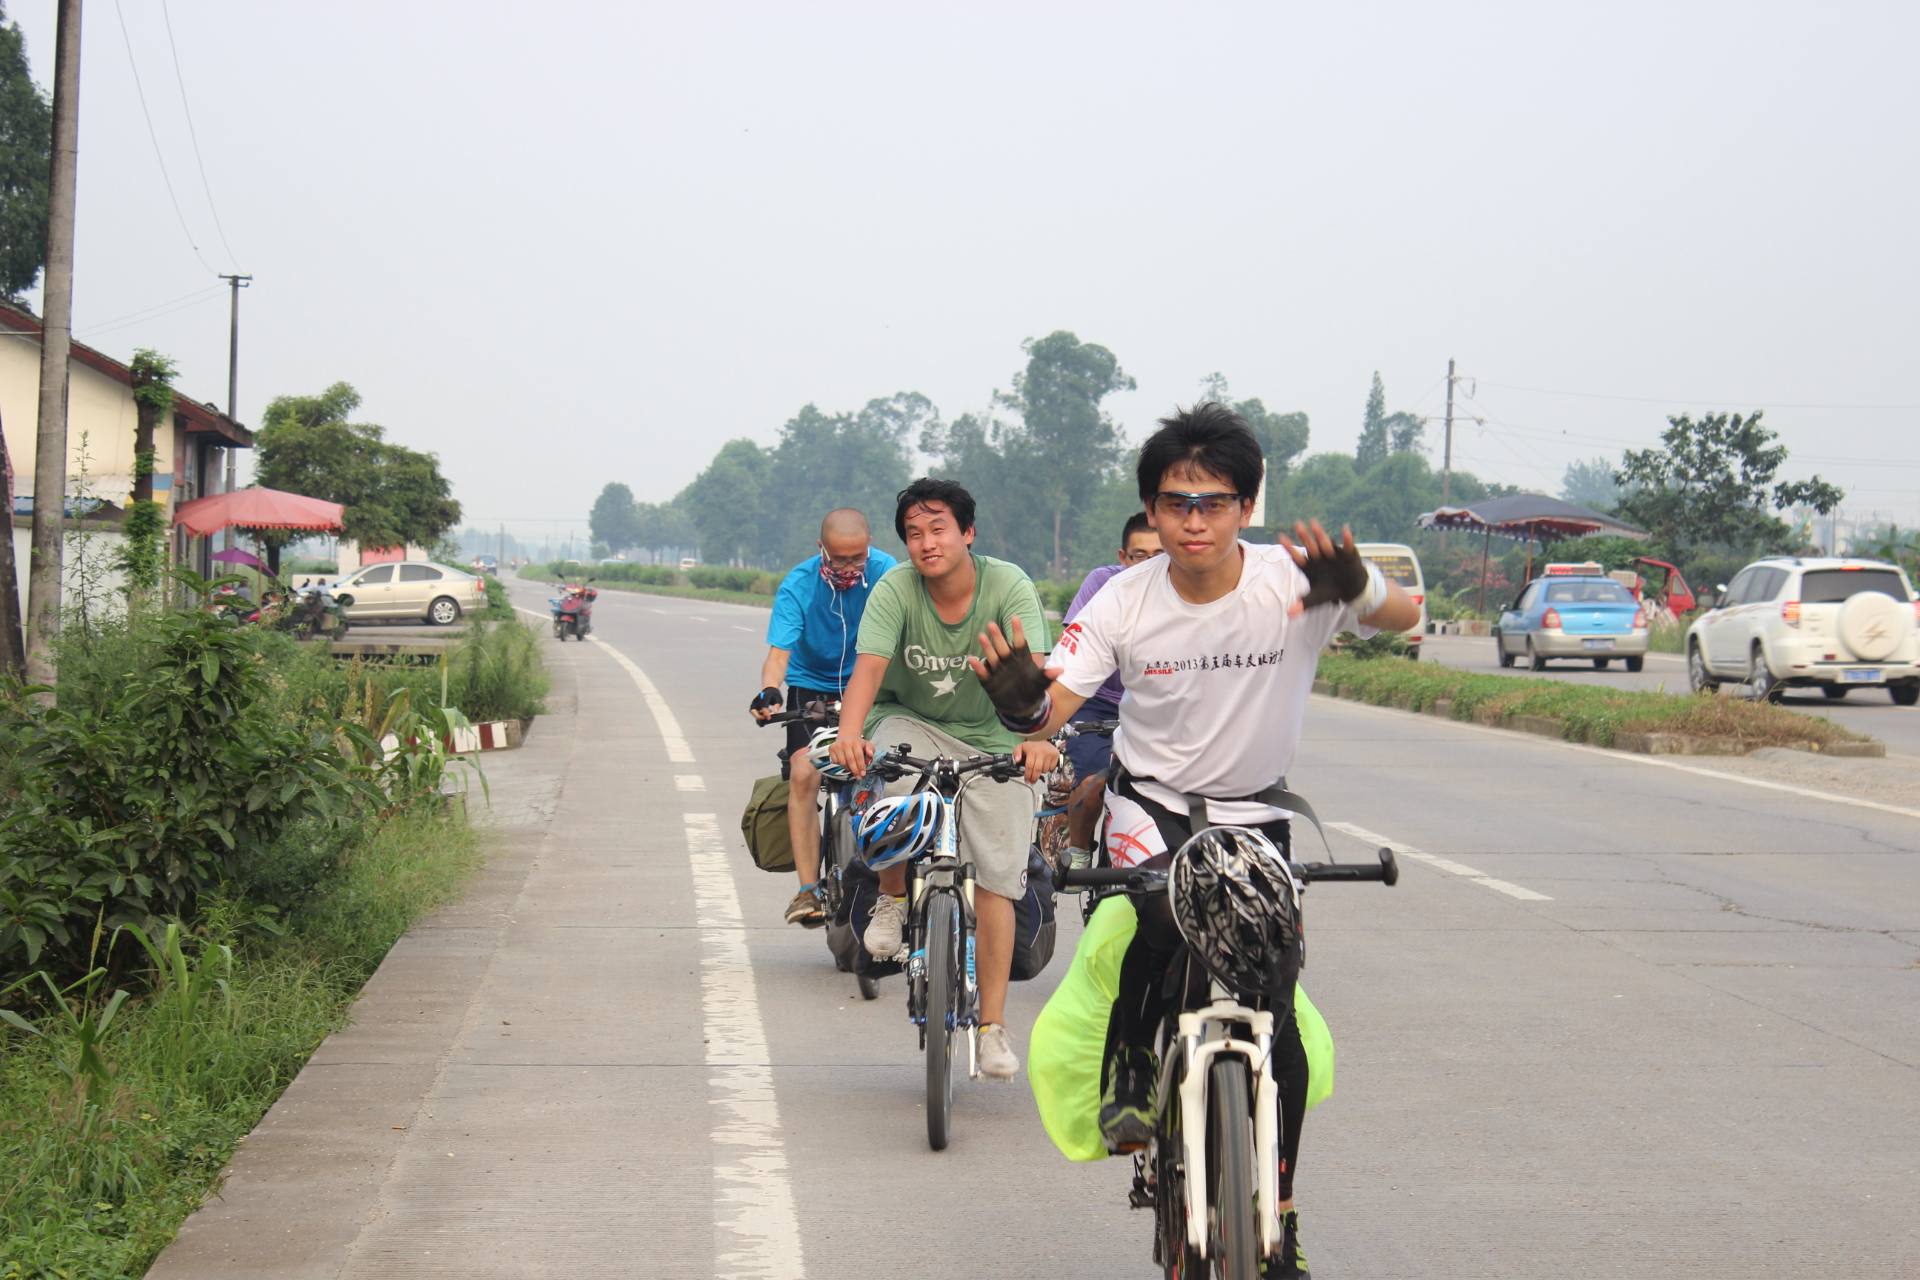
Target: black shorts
{"x":799,"y":732}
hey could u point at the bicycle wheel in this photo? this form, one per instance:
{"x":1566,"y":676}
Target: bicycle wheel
{"x":1176,"y":1260}
{"x":1234,"y":1236}
{"x":943,"y":951}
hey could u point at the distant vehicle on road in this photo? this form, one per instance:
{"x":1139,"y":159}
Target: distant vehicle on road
{"x":1836,"y":624}
{"x":688,"y":562}
{"x":485,"y":565}
{"x":1566,"y":615}
{"x":1398,"y":563}
{"x":435,"y":593}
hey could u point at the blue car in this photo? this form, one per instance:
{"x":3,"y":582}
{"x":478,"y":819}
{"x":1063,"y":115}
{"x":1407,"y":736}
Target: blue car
{"x":1573,"y":616}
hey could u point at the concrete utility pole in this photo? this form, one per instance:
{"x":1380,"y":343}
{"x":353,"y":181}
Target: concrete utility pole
{"x":56,"y":337}
{"x":1446,"y":456}
{"x":238,"y":282}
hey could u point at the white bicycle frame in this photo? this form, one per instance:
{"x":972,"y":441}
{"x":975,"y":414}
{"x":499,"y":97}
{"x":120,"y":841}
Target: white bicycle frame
{"x":1205,"y":1034}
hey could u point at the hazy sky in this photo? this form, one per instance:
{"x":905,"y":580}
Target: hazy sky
{"x":565,"y":244}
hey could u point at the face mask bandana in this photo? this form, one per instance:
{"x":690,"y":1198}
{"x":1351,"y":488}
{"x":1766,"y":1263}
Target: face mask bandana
{"x":841,"y":579}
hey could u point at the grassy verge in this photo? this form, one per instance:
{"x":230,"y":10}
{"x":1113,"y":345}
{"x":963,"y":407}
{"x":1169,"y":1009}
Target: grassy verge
{"x":1585,"y":712}
{"x":1667,"y":637}
{"x":684,"y":591}
{"x":99,"y":1191}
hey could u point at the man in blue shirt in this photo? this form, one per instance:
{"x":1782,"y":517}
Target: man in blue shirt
{"x":810,"y":639}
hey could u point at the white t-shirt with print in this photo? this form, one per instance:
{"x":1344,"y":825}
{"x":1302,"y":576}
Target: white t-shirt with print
{"x":1216,"y":692}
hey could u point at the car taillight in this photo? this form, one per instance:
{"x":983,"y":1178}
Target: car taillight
{"x":1418,"y":600}
{"x":1551,"y":619}
{"x":1790,"y":612}
{"x":1640,"y":619}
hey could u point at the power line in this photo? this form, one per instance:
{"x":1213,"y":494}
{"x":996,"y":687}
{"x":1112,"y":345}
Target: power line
{"x":194,"y":134}
{"x":1762,"y":401}
{"x":185,"y":302}
{"x":165,"y":177}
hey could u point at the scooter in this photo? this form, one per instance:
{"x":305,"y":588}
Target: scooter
{"x":573,"y":611}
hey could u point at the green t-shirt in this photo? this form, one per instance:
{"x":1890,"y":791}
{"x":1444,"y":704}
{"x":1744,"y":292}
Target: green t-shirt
{"x":928,"y":676}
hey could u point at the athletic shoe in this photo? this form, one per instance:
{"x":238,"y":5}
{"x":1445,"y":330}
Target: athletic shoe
{"x":806,"y":909}
{"x":1126,"y":1113}
{"x":997,"y":1060}
{"x":1292,"y":1263}
{"x":882,"y":937}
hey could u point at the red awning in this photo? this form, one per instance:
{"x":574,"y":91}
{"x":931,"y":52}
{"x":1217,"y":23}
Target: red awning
{"x":258,"y":509}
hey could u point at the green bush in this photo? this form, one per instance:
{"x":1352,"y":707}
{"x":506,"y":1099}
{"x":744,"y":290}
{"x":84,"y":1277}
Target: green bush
{"x":164,"y":757}
{"x":496,"y":673}
{"x":1055,"y":596}
{"x":499,"y":605}
{"x":748,"y":580}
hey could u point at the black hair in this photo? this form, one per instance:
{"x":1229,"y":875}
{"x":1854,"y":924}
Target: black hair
{"x":926,"y":489}
{"x":1136,"y":523}
{"x":1209,"y":437}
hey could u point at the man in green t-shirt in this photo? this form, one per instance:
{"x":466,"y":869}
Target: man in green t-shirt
{"x":912,"y":683}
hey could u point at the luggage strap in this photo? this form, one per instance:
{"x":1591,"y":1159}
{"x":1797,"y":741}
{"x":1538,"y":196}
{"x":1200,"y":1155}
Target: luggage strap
{"x":1276,"y":794}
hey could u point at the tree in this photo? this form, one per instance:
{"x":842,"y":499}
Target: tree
{"x":612,"y":519}
{"x":1067,"y":434}
{"x":393,"y":495}
{"x":726,"y":502}
{"x":663,"y":527}
{"x":1282,"y":436}
{"x":1404,"y":432}
{"x":26,"y":145}
{"x":1373,"y":445}
{"x":152,"y":376}
{"x":1591,"y":484}
{"x":1712,"y":483}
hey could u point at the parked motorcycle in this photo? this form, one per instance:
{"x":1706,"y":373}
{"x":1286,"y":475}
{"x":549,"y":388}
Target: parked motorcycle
{"x":573,"y":610}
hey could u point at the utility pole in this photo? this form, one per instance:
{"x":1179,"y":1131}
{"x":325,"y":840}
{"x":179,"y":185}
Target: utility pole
{"x":1446,"y":456}
{"x":238,"y":282}
{"x":56,"y":337}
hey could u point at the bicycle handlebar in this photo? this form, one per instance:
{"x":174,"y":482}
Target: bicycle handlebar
{"x":896,"y":764}
{"x":823,"y":712}
{"x":1087,"y":728}
{"x":1153,"y":879}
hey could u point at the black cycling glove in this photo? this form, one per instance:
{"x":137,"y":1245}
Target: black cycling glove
{"x":767,"y":697}
{"x":1017,"y":687}
{"x":1334,"y":579}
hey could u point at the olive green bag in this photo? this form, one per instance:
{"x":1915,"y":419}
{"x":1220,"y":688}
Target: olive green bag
{"x":764,"y":824}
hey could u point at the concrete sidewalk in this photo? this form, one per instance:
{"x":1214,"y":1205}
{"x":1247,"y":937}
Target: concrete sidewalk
{"x":496,"y":1106}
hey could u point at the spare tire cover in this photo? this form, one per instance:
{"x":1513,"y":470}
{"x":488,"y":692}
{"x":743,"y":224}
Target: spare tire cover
{"x":1873,"y":626}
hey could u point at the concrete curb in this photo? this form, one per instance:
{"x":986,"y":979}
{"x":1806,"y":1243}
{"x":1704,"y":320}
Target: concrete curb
{"x":1646,"y":744}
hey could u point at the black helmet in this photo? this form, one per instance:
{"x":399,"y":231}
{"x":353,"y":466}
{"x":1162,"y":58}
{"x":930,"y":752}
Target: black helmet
{"x":1235,"y":902}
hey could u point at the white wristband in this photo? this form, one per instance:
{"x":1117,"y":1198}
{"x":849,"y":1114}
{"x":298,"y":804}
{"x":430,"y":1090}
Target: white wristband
{"x":1369,"y":601}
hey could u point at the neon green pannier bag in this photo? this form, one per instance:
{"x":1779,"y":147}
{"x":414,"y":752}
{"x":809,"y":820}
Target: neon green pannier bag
{"x":1070,"y":1036}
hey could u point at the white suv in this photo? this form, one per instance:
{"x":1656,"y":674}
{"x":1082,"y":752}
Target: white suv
{"x":1837,"y":624}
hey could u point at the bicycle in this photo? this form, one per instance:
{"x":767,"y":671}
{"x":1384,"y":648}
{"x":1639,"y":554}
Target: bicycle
{"x":1214,"y":1187}
{"x":836,"y":838}
{"x":943,"y":992}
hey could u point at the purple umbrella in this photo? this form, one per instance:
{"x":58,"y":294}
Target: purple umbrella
{"x":234,"y":555}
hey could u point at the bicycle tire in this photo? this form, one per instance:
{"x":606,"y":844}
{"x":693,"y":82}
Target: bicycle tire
{"x":1233,"y":1230}
{"x":943,"y":953}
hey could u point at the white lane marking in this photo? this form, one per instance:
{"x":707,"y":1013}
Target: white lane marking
{"x":694,"y":617}
{"x":1652,"y":762}
{"x":1481,"y":878}
{"x":537,"y":617}
{"x":738,"y":627}
{"x":677,"y":749}
{"x":689,"y":782}
{"x":756,"y":1227}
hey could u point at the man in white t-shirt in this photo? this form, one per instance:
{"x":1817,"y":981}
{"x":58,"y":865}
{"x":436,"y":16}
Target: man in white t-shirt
{"x":1216,"y":643}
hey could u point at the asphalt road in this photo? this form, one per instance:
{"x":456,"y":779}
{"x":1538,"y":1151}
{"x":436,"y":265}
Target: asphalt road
{"x":1868,"y":711}
{"x":1695,"y":1052}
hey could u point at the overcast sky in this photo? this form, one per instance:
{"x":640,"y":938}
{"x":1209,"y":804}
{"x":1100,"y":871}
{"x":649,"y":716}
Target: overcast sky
{"x":565,"y":244}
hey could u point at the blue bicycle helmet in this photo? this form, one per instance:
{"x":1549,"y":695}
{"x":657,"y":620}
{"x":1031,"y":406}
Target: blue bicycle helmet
{"x":897,"y":828}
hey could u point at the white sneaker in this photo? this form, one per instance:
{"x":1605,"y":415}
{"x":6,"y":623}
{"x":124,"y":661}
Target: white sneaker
{"x":882,"y":938}
{"x":997,"y":1060}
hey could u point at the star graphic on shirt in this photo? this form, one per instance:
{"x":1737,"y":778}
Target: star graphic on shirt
{"x":945,"y":684}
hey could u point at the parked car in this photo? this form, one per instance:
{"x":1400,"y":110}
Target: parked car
{"x":1398,"y":563}
{"x":435,"y":593}
{"x":1562,"y":615}
{"x":1832,"y":623}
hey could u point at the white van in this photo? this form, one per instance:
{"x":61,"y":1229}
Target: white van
{"x":1398,"y":563}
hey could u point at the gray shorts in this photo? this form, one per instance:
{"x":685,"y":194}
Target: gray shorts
{"x":996,"y":818}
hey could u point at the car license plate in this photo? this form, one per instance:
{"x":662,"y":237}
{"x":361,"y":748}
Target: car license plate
{"x":1604,"y":642}
{"x":1860,"y":675}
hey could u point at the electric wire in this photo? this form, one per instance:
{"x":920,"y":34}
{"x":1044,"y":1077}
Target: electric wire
{"x":153,"y":134}
{"x":1761,"y":401}
{"x":232,"y":257}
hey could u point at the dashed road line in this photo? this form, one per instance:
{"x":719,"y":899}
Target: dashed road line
{"x":689,"y":782}
{"x":1451,"y":867}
